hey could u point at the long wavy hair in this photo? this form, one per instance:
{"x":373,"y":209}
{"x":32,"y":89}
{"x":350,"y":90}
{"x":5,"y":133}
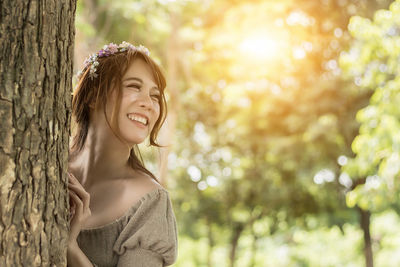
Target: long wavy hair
{"x":97,"y":90}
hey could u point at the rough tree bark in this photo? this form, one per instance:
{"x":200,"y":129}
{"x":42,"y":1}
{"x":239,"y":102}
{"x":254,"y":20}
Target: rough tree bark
{"x":36,"y":51}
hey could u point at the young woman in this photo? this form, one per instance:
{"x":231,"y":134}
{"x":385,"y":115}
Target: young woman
{"x":120,"y":214}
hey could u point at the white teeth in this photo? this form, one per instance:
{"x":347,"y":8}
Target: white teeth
{"x":140,"y":119}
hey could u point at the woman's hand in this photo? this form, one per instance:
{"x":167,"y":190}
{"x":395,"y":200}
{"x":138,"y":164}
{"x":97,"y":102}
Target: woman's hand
{"x":79,"y":208}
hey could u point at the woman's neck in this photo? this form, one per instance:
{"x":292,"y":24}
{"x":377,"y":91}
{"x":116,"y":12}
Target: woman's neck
{"x":103,"y":157}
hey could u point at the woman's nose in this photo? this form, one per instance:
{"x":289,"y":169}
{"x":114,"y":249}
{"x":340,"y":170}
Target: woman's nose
{"x":145,"y":100}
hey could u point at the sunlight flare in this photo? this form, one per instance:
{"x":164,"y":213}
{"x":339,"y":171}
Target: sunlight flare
{"x":260,"y":47}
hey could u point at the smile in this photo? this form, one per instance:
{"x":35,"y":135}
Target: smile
{"x":138,"y":118}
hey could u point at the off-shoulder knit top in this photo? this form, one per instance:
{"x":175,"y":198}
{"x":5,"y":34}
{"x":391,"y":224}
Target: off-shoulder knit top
{"x":145,"y":235}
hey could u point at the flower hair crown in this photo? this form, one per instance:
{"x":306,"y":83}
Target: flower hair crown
{"x":107,"y":51}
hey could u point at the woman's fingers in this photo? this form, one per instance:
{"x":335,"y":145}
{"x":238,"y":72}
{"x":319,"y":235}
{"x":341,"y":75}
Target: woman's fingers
{"x":77,"y":219}
{"x":72,"y":178}
{"x":78,"y":202}
{"x":79,"y":190}
{"x":75,"y":185}
{"x":72,"y":206}
{"x":83,"y":195}
{"x":81,"y":213}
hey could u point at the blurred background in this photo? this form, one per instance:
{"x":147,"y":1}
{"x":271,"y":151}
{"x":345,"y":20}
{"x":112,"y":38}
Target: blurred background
{"x":283,"y":134}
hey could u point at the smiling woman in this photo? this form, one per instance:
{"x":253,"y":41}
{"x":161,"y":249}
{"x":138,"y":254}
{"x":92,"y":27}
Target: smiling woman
{"x":138,"y":87}
{"x":120,"y":214}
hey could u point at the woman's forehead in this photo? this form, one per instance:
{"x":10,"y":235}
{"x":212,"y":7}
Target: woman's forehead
{"x":139,"y":71}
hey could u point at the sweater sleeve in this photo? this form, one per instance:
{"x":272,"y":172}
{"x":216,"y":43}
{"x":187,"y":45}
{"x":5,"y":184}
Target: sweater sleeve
{"x":150,"y":236}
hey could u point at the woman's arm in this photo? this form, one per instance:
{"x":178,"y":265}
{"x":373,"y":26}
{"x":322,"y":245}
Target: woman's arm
{"x":80,"y":211}
{"x":140,"y":257}
{"x":76,"y":258}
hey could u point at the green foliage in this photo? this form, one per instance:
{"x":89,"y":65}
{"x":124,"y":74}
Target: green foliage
{"x":260,"y":131}
{"x":321,"y":246}
{"x":372,"y":61}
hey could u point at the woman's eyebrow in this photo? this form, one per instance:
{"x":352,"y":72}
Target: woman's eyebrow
{"x":156,"y":89}
{"x":133,"y":78}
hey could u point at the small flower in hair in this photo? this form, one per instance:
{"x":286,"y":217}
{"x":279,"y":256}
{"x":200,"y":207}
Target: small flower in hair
{"x":125,"y":46}
{"x":143,"y":49}
{"x":108,"y":50}
{"x":113,"y":48}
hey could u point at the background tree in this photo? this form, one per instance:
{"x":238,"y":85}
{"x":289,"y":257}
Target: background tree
{"x":36,"y":46}
{"x":372,"y":61}
{"x":265,"y":123}
{"x":285,"y":123}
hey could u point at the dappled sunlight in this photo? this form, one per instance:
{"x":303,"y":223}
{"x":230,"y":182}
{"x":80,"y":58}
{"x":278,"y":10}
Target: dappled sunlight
{"x":277,"y":148}
{"x":261,"y":47}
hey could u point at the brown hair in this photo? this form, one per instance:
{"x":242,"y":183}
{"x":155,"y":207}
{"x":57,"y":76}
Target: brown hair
{"x":96,"y":90}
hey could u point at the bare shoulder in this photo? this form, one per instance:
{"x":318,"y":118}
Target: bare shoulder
{"x":110,"y":201}
{"x":142,"y":183}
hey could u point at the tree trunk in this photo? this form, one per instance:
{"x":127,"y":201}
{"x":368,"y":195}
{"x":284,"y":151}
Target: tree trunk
{"x":211,"y":242}
{"x":253,"y":247}
{"x":237,"y":231}
{"x":36,"y":50}
{"x":365,"y":223}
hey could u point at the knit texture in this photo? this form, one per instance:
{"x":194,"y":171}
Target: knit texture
{"x":145,"y":235}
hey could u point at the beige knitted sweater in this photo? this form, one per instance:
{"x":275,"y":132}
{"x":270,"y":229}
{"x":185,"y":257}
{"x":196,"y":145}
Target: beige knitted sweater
{"x":145,"y":236}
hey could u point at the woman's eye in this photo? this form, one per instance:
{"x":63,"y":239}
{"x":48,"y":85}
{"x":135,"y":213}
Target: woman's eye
{"x":156,"y":97}
{"x":133,"y":86}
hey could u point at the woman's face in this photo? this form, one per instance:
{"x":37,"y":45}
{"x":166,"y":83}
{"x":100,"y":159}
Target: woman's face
{"x":140,"y":103}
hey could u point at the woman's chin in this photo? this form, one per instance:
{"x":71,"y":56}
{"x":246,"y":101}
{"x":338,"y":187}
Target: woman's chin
{"x":134,"y":141}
